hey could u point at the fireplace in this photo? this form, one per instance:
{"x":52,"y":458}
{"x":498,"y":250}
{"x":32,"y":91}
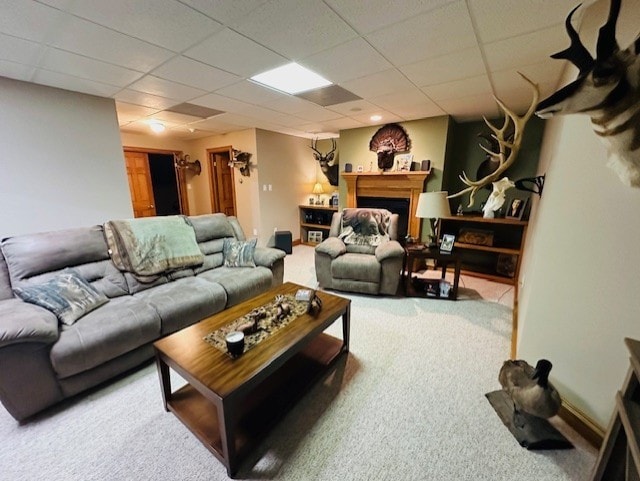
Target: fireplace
{"x":395,"y":206}
{"x":388,"y":187}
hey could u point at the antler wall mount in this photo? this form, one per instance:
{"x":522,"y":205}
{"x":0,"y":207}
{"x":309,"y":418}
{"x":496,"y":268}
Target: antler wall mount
{"x":607,"y":90}
{"x":183,"y":162}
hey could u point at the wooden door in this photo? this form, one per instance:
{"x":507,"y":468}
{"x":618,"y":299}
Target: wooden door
{"x":223,"y":193}
{"x":140,"y":184}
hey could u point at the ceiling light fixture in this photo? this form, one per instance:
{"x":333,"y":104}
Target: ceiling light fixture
{"x":376,"y":118}
{"x":291,"y":78}
{"x":156,"y":126}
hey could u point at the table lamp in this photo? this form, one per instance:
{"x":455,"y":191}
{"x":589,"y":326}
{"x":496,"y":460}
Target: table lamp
{"x":432,"y":206}
{"x":317,"y":189}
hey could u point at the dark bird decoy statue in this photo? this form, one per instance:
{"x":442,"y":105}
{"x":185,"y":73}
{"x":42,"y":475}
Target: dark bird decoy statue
{"x":529,"y":388}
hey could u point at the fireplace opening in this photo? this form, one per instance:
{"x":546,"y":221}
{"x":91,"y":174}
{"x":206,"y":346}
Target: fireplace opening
{"x":393,"y":205}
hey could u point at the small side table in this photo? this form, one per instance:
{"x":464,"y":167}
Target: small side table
{"x":443,"y":259}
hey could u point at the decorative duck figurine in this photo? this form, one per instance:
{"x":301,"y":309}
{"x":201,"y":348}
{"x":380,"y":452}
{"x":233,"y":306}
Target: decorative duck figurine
{"x":530,"y":388}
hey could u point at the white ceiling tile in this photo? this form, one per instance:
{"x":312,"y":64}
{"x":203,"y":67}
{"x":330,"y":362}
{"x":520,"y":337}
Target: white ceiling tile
{"x":526,"y":49}
{"x":68,"y":82}
{"x":354,"y":108}
{"x":130,"y":112}
{"x":459,"y":88}
{"x":61,"y":61}
{"x":453,"y":66}
{"x":371,"y":15}
{"x":174,"y":117}
{"x":144,"y":99}
{"x":225,"y":11}
{"x":20,"y":50}
{"x":316,"y":113}
{"x":151,"y":84}
{"x":500,"y":19}
{"x":166,"y":23}
{"x":425,"y":36}
{"x":30,"y":20}
{"x":420,"y":111}
{"x":217,"y":123}
{"x":400,"y":98}
{"x":196,"y":74}
{"x":377,"y":84}
{"x":220,"y":102}
{"x":387,"y":117}
{"x":290,"y":104}
{"x":353,"y":59}
{"x":295,"y":29}
{"x":332,"y":125}
{"x":509,"y":80}
{"x":235,"y":53}
{"x":59,"y":4}
{"x":470,"y":108}
{"x":15,"y":70}
{"x":248,"y":91}
{"x":91,"y":40}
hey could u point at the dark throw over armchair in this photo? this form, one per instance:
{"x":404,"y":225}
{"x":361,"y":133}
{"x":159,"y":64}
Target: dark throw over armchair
{"x":362,"y":253}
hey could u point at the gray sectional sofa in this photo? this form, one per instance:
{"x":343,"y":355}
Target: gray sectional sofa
{"x":43,"y":361}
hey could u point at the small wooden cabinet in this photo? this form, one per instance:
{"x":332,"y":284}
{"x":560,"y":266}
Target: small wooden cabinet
{"x":315,"y":218}
{"x":489,"y":248}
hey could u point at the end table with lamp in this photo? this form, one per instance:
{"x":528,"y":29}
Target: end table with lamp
{"x":432,"y":206}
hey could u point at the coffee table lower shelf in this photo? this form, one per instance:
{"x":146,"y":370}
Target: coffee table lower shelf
{"x":263,"y":406}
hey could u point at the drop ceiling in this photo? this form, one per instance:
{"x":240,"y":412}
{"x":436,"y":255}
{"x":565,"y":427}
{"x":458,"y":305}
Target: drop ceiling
{"x":405,"y":60}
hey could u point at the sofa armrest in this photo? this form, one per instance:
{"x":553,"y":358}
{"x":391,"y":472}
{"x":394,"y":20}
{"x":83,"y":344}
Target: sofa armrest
{"x":388,"y":250}
{"x":332,"y":246}
{"x":24,"y":322}
{"x":267,"y":256}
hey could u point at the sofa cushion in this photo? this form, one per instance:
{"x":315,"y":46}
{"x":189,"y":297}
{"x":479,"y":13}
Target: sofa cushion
{"x":22,"y":322}
{"x":184,"y":301}
{"x":239,"y":253}
{"x":120,"y":326}
{"x":359,"y":267}
{"x":240,"y":283}
{"x":211,"y":226}
{"x":67,"y":295}
{"x":5,"y":283}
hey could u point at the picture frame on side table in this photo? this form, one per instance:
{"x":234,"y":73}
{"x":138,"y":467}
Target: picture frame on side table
{"x":314,"y":236}
{"x":516,"y":209}
{"x":446,"y":246}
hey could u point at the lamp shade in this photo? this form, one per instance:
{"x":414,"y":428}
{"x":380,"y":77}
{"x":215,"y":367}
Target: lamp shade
{"x":317,"y":189}
{"x":433,"y":205}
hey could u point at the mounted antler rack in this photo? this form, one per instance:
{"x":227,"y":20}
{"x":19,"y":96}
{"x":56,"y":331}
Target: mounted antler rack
{"x":183,"y":162}
{"x":242,"y":161}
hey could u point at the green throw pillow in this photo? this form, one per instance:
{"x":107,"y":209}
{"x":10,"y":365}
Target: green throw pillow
{"x":67,"y":295}
{"x":239,"y":253}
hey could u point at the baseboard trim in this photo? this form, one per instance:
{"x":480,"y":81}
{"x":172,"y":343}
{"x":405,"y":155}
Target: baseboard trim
{"x":296,"y":242}
{"x":583,"y":425}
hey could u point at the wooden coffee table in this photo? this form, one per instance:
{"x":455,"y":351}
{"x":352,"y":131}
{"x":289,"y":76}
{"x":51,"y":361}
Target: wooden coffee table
{"x":230,"y":404}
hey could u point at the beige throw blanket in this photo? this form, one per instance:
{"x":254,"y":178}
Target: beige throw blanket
{"x":149,"y":246}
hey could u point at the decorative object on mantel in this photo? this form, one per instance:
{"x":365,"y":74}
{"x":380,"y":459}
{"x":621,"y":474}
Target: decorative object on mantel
{"x":526,"y":401}
{"x":326,"y":161}
{"x":183,"y":162}
{"x":432,"y":206}
{"x":508,"y":147}
{"x":388,"y":140}
{"x":536,"y":187}
{"x":607,"y":89}
{"x":241,"y":161}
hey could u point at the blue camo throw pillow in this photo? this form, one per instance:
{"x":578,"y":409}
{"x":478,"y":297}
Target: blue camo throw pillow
{"x":239,"y":253}
{"x":67,"y":295}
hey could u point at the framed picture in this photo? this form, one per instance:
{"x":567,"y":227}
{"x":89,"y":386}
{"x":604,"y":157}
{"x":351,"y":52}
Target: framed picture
{"x":403,"y":162}
{"x":360,"y":169}
{"x":516,"y":209}
{"x":314,"y":236}
{"x":447,"y":243}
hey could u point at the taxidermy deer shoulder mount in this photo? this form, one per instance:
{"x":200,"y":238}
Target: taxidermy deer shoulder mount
{"x":504,"y":151}
{"x":388,"y":140}
{"x":607,"y":90}
{"x":326,"y":161}
{"x":241,"y":160}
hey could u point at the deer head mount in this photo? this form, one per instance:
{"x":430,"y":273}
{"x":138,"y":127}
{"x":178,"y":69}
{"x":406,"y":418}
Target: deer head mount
{"x":326,"y":161}
{"x":508,"y":145}
{"x":241,"y":160}
{"x":183,"y":162}
{"x":607,"y":90}
{"x":388,"y":140}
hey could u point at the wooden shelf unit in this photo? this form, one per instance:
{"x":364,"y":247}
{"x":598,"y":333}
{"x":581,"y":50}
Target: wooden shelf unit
{"x":315,"y":217}
{"x":488,"y":261}
{"x":619,"y":456}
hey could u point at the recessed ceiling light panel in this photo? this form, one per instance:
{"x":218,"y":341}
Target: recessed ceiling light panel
{"x":291,"y":78}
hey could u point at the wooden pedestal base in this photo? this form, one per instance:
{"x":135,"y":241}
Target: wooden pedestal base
{"x":536,"y":433}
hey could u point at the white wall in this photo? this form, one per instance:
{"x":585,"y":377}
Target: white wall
{"x":579,"y":296}
{"x":62,"y":163}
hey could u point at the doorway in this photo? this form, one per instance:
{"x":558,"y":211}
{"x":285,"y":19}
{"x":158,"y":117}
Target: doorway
{"x":223,"y":196}
{"x":157,"y":187}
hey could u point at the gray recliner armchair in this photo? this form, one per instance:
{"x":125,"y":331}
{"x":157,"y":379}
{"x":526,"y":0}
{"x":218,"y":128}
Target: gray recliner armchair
{"x":362,"y":253}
